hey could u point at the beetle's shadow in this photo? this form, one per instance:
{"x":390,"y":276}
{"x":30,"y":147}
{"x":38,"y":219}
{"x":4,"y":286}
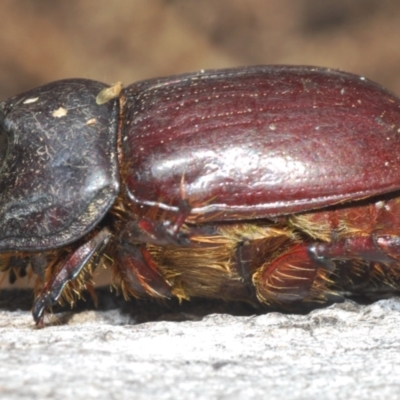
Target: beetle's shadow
{"x":143,"y":311}
{"x":140,"y":310}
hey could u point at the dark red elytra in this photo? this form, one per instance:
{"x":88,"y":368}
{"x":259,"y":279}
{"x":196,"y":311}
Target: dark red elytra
{"x":269,"y":184}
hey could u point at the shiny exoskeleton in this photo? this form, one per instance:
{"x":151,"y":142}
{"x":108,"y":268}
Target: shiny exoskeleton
{"x":269,"y":184}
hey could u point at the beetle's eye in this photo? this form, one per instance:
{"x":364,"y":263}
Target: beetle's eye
{"x":3,"y":146}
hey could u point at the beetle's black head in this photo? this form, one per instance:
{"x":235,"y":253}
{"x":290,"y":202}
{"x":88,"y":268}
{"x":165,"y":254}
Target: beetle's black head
{"x":58,"y":164}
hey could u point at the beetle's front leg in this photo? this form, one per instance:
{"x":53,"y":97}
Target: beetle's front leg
{"x":68,"y":271}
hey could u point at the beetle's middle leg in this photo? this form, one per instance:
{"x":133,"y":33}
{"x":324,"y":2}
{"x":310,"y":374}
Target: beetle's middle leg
{"x":138,"y":273}
{"x":163,"y":231}
{"x":135,"y":269}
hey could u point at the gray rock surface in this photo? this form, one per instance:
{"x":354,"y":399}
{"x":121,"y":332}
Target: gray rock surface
{"x":343,"y":351}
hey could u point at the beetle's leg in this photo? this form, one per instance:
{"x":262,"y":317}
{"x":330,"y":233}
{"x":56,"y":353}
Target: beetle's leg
{"x":39,"y":264}
{"x":15,"y":267}
{"x":369,"y":260}
{"x":167,"y":232}
{"x":135,"y":268}
{"x":374,"y":248}
{"x":18,"y":266}
{"x":138,"y":272}
{"x":70,"y":269}
{"x":292,"y":276}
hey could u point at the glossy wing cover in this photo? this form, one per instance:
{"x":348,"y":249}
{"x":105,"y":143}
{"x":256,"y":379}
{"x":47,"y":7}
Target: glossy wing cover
{"x":260,"y":141}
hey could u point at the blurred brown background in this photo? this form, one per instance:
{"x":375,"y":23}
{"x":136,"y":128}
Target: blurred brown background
{"x":129,"y":40}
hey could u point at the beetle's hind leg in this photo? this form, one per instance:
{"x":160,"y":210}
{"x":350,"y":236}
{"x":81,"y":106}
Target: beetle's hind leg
{"x":68,"y":271}
{"x":293,"y":276}
{"x":376,"y":247}
{"x":364,"y":264}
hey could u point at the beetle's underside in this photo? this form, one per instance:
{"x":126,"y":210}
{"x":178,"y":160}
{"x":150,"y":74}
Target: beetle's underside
{"x":308,"y":257}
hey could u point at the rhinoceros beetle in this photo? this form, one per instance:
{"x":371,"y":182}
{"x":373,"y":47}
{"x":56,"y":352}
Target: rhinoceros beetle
{"x":268,"y":184}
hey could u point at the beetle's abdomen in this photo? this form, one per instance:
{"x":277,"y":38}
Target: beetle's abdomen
{"x":305,"y":257}
{"x":260,"y":141}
